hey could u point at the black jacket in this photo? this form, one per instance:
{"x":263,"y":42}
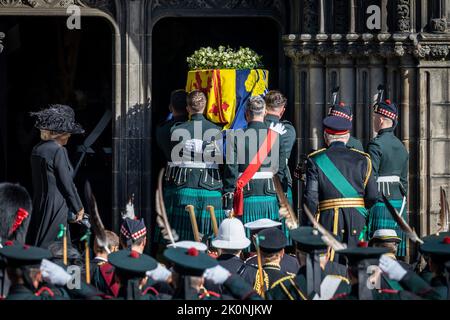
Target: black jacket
{"x":54,"y":192}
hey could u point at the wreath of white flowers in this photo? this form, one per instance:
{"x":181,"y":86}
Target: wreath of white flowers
{"x":224,"y":58}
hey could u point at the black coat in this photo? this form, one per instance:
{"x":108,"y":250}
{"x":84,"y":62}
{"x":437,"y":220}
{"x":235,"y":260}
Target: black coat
{"x":54,"y":192}
{"x":355,"y":167}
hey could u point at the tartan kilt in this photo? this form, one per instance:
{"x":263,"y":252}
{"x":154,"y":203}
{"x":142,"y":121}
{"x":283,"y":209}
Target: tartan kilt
{"x":380,"y":218}
{"x":169,"y":191}
{"x":259,"y":207}
{"x":200,"y":198}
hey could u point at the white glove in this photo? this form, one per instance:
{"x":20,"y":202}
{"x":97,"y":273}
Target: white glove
{"x":54,"y":274}
{"x":129,"y":211}
{"x":218,"y":274}
{"x":283,"y":212}
{"x":160,"y":274}
{"x":392,"y":268}
{"x":279,"y":127}
{"x":194,"y":145}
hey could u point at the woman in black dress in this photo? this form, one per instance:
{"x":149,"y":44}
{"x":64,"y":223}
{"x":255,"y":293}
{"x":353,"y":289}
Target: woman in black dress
{"x":55,"y":194}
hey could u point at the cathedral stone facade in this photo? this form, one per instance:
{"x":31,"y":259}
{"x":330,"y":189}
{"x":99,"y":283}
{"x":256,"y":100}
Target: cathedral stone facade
{"x":323,"y":44}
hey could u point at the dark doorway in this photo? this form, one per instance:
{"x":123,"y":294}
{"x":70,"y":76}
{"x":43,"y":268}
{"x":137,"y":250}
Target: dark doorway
{"x":174,"y":39}
{"x":45,"y":63}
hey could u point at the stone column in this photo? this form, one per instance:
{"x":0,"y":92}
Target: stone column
{"x":347,"y":80}
{"x":423,"y":152}
{"x":407,"y":124}
{"x":361,"y":110}
{"x":315,"y":102}
{"x":376,"y":77}
{"x":133,"y":141}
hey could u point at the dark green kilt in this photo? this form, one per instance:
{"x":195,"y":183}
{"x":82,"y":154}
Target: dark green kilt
{"x":380,"y":218}
{"x":200,"y":198}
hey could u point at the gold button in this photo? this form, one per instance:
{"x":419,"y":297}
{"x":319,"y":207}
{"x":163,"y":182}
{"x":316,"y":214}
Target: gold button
{"x":354,"y":231}
{"x":343,"y":231}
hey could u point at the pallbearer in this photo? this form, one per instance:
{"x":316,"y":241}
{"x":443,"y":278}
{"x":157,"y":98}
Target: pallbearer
{"x":196,"y":154}
{"x":390,"y":168}
{"x":178,"y":113}
{"x":275,"y":107}
{"x":253,"y":157}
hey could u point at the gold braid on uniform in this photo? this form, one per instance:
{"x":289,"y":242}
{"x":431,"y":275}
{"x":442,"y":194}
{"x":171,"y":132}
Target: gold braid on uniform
{"x":312,"y":154}
{"x":280,"y":283}
{"x":369,"y":165}
{"x":258,"y":286}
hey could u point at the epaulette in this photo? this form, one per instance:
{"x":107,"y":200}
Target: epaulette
{"x":369,"y":165}
{"x":361,"y":152}
{"x":276,"y":283}
{"x":280,"y":282}
{"x":340,"y":277}
{"x":247,"y":261}
{"x":286,"y":122}
{"x":312,"y":154}
{"x":101,"y":263}
{"x":46,"y":289}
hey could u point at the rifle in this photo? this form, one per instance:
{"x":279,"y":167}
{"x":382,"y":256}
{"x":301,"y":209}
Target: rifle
{"x":260,"y":270}
{"x":213,"y":220}
{"x":167,"y":232}
{"x":288,"y":214}
{"x":401,"y":222}
{"x":86,"y":239}
{"x":444,"y":212}
{"x":191,"y":210}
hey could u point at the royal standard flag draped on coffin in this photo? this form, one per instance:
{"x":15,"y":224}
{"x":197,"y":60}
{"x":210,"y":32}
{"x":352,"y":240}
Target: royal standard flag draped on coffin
{"x":227,"y":91}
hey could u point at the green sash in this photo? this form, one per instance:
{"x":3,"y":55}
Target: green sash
{"x":393,"y":284}
{"x":337,"y":179}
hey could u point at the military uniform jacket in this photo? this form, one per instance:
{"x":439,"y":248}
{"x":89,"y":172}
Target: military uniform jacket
{"x":354,"y":143}
{"x":235,"y":289}
{"x":389,"y":158}
{"x":163,"y":135}
{"x":244,"y":153}
{"x":286,"y":144}
{"x":289,"y":264}
{"x":415,"y":289}
{"x":344,"y":221}
{"x":21,"y":292}
{"x":198,"y":146}
{"x":232,"y":263}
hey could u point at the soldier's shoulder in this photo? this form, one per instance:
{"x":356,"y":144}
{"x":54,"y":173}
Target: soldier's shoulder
{"x":250,"y":261}
{"x":342,"y":278}
{"x":360,"y":152}
{"x":317,"y":152}
{"x":288,"y":125}
{"x":288,"y":278}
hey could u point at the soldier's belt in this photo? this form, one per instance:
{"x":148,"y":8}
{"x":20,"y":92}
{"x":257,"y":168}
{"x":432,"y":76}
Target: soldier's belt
{"x":388,"y":179}
{"x":194,"y":165}
{"x":341,"y":203}
{"x":261,"y":175}
{"x":383,"y":183}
